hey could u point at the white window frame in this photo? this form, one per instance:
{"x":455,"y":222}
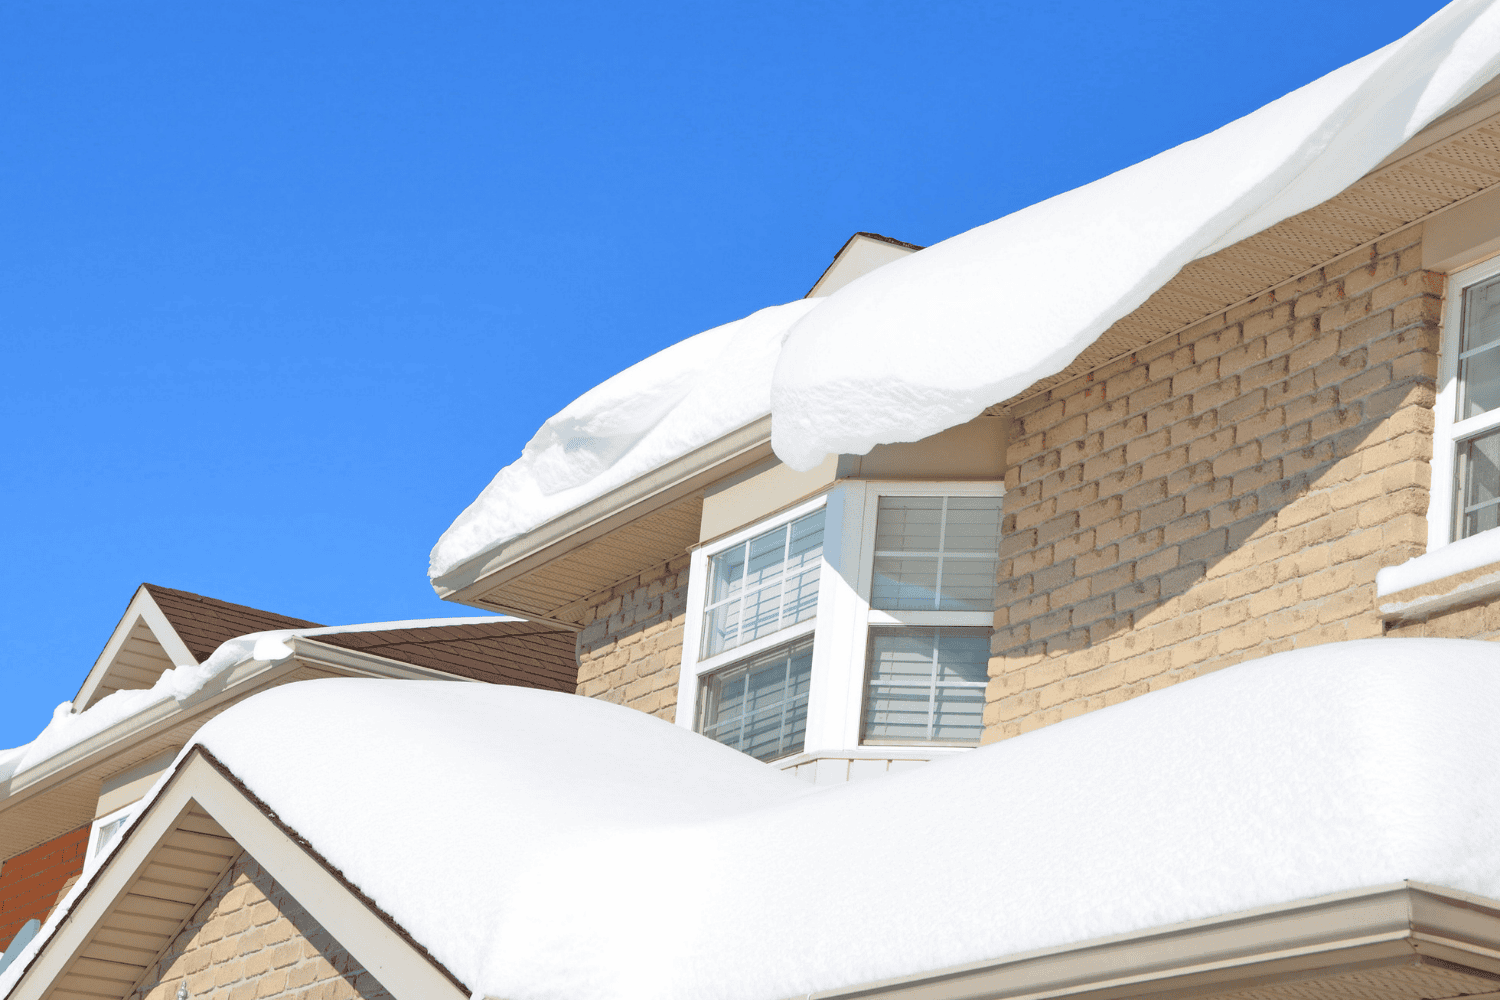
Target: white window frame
{"x":841,"y":627}
{"x":1448,"y":431}
{"x":694,"y":664}
{"x":100,"y":824}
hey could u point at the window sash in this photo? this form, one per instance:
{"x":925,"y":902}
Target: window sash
{"x":750,"y":596}
{"x":941,"y":704}
{"x":759,"y":705}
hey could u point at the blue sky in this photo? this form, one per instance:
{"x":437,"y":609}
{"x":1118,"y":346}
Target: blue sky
{"x":282,"y":285}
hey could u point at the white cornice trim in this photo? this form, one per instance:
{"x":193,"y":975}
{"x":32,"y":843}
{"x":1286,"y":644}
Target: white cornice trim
{"x":142,"y":607}
{"x":371,"y":938}
{"x":1359,"y":929}
{"x":663,"y":485}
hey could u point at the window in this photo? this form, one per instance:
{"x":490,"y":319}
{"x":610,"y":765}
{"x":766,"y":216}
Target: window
{"x":764,"y":584}
{"x":759,"y":706}
{"x":860,"y":618}
{"x":1466,"y":451}
{"x":107,"y":828}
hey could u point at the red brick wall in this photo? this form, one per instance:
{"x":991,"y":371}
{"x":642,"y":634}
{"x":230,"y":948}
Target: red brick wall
{"x":31,"y":881}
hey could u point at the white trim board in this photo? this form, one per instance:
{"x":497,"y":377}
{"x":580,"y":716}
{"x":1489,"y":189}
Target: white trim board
{"x":201,"y":784}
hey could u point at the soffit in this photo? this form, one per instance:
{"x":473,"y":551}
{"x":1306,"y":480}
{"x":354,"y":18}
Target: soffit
{"x":557,"y":590}
{"x":1464,"y":161}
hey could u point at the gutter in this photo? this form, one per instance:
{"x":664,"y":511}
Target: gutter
{"x":503,"y":560}
{"x":1359,"y":930}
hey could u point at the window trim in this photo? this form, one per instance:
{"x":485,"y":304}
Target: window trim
{"x":694,"y":664}
{"x":1448,"y":431}
{"x":99,"y":824}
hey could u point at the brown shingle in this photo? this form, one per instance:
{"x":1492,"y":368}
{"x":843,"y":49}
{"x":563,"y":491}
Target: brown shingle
{"x":501,"y":652}
{"x":203,"y":623}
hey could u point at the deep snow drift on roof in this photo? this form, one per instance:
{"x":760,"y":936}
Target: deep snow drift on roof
{"x":928,"y":341}
{"x":552,"y":846}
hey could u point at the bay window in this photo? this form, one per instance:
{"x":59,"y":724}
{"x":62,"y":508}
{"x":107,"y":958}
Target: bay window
{"x":858,"y":619}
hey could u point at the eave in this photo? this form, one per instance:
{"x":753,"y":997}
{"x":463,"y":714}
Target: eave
{"x":1388,"y":938}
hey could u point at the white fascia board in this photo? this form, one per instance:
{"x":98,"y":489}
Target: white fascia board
{"x":466,"y":582}
{"x":321,"y":654}
{"x":142,"y":607}
{"x":1343,"y":932}
{"x":139,"y":727}
{"x":370,"y":937}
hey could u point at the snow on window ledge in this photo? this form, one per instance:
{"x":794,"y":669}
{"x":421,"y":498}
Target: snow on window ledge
{"x":1461,"y":572}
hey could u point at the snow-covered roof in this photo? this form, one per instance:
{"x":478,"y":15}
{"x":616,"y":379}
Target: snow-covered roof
{"x":551,"y":845}
{"x":929,"y":341}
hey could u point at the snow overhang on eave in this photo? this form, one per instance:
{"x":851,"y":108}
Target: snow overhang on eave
{"x":165,"y":723}
{"x":649,"y":520}
{"x":1454,"y":159}
{"x":1373,"y":943}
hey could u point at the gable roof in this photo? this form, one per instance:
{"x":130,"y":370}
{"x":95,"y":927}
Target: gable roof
{"x":126,"y":911}
{"x":205,"y":623}
{"x":860,"y":254}
{"x":505,"y":651}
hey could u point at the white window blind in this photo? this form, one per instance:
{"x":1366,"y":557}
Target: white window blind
{"x":764,"y":584}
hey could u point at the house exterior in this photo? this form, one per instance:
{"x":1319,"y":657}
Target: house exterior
{"x":60,"y":809}
{"x":1220,"y":476}
{"x":1292,"y":443}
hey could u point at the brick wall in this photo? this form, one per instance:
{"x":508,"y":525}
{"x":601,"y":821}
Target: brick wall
{"x":32,"y":881}
{"x":630,"y":649}
{"x":1226,"y":493}
{"x":251,"y":939}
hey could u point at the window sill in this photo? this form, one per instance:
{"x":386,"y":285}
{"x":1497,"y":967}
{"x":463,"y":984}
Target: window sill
{"x":837,"y":767}
{"x":1462,"y":572}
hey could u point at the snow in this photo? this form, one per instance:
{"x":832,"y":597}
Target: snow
{"x":974,"y":320}
{"x":1457,"y":557}
{"x":67,"y":728}
{"x":929,"y":341}
{"x":675,"y":401}
{"x":552,"y":846}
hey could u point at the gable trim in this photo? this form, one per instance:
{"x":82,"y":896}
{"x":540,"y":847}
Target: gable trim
{"x":142,"y":608}
{"x":202,"y":783}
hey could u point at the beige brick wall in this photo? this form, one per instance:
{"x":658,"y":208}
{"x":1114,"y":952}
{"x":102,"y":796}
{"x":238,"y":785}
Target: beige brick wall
{"x":250,"y":940}
{"x":1223,"y":494}
{"x":630,"y":650}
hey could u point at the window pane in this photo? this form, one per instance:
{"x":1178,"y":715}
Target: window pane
{"x":954,"y":545}
{"x":726,"y":572}
{"x":759,"y":706}
{"x":908,"y":524}
{"x":1481,"y":315}
{"x":1480,"y":379}
{"x":973,"y":524}
{"x":926,"y":685}
{"x":1478,"y":484}
{"x":764,"y":585}
{"x":969,"y":584}
{"x":904,"y":584}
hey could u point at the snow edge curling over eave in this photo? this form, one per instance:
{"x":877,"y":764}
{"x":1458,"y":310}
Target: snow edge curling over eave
{"x":999,"y":312}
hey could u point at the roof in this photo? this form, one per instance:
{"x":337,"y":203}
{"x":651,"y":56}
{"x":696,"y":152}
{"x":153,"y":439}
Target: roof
{"x":504,"y":651}
{"x":1341,"y":773}
{"x":850,"y":263}
{"x":989,"y":316}
{"x":205,"y":623}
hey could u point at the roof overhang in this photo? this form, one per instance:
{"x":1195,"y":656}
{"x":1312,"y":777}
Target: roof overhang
{"x":650,"y":519}
{"x":1398,"y":941}
{"x":137,"y":902}
{"x":36,"y":804}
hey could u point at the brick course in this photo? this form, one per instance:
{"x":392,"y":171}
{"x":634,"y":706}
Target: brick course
{"x":630,"y":650}
{"x":32,"y":881}
{"x":1222,"y":494}
{"x":250,"y":940}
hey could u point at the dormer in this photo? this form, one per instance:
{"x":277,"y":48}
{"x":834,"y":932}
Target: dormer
{"x":164,"y":628}
{"x":863,"y":253}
